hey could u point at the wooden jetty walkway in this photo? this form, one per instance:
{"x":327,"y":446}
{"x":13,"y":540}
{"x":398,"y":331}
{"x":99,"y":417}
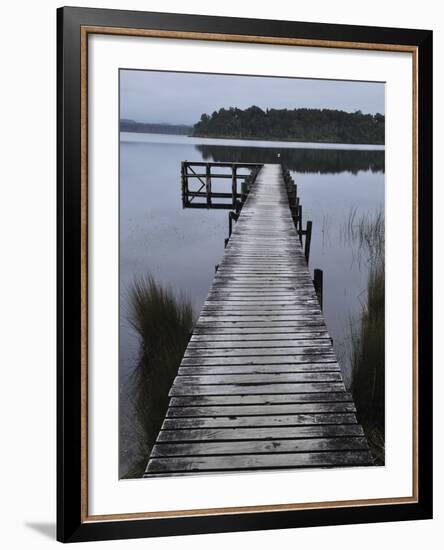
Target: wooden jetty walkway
{"x":259,"y":386}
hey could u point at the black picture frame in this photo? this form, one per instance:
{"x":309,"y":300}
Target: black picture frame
{"x":71,"y":523}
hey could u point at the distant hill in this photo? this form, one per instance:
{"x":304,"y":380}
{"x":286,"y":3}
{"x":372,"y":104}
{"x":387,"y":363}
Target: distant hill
{"x":127,"y":125}
{"x":309,"y":125}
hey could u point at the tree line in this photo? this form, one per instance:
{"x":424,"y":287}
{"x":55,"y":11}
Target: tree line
{"x":309,"y":125}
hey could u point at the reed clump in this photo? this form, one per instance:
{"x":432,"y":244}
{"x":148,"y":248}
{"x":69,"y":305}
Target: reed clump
{"x":163,"y":322}
{"x":368,"y":335}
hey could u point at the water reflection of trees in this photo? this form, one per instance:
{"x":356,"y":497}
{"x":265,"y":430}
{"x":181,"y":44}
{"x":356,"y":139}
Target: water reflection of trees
{"x":323,"y":161}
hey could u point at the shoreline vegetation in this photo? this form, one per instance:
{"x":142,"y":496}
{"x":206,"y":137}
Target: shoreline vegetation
{"x":163,"y":322}
{"x":367,"y":334}
{"x":307,"y":125}
{"x":296,"y":125}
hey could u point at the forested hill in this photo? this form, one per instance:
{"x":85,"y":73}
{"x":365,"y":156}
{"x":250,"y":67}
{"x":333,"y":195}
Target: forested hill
{"x":310,"y":125}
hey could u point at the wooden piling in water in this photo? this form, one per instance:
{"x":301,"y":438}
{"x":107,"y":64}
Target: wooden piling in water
{"x":318,"y":281}
{"x":308,"y":241}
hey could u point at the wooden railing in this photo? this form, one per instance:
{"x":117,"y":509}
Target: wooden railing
{"x":198,"y":178}
{"x":296,"y":212}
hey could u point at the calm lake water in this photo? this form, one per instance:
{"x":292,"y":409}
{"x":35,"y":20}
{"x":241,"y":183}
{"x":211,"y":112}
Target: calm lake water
{"x":181,"y":247}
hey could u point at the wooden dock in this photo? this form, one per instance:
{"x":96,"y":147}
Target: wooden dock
{"x":259,"y":386}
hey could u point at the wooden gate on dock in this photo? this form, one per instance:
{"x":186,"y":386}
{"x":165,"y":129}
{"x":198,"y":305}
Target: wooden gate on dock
{"x":259,"y":386}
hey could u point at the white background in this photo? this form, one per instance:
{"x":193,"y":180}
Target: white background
{"x":27,"y":232}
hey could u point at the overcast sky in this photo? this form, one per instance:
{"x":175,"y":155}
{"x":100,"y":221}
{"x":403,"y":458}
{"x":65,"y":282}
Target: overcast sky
{"x":181,"y":98}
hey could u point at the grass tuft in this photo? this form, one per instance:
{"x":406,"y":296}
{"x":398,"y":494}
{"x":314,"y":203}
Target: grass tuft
{"x":368,"y":335}
{"x":163,"y":322}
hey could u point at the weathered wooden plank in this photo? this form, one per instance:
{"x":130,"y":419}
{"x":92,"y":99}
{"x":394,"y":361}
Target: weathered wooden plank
{"x":261,"y":378}
{"x":274,"y":343}
{"x":265,"y":254}
{"x":258,"y":369}
{"x":242,"y":266}
{"x":290,"y":300}
{"x":243,"y":250}
{"x":270,"y":288}
{"x":230,"y":279}
{"x":226,"y":284}
{"x":228,"y":295}
{"x":283,"y":251}
{"x":278,"y":287}
{"x":247,"y":291}
{"x":265,"y":307}
{"x":261,"y":279}
{"x":248,"y":263}
{"x":301,"y":323}
{"x":237,"y":389}
{"x":262,"y":247}
{"x":250,"y":293}
{"x":237,"y":344}
{"x":286,"y":263}
{"x":252,"y":277}
{"x":261,"y":410}
{"x":259,"y":447}
{"x":314,"y":316}
{"x":265,"y":281}
{"x":232,"y":329}
{"x":257,"y":271}
{"x":301,"y":419}
{"x":210,"y":318}
{"x":279,"y":303}
{"x":261,"y":271}
{"x":253,"y":314}
{"x":234,"y":289}
{"x":264,"y":320}
{"x":263,"y":313}
{"x":246,"y":231}
{"x":248,"y":352}
{"x":239,"y":434}
{"x":264,"y":461}
{"x":260,"y":399}
{"x":259,"y":360}
{"x":262,"y":337}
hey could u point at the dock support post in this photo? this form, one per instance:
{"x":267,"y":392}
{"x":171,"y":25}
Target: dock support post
{"x":318,"y":281}
{"x":300,"y":222}
{"x":183,"y":173}
{"x":294,"y":209}
{"x":208,"y":184}
{"x":296,"y":213}
{"x":307,"y":241}
{"x":244,"y":188}
{"x":233,"y":185}
{"x":231,"y":216}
